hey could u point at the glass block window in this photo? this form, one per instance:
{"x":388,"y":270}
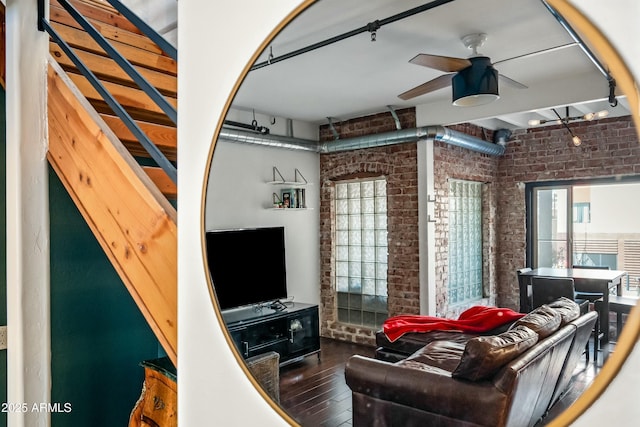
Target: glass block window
{"x":361,"y":251}
{"x":465,"y":241}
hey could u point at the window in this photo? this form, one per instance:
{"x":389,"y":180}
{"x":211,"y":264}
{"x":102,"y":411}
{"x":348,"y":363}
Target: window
{"x":582,"y":212}
{"x":585,"y":223}
{"x":465,"y":241}
{"x":361,"y":251}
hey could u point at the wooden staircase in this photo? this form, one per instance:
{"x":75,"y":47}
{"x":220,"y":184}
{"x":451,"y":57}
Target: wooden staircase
{"x":97,"y":158}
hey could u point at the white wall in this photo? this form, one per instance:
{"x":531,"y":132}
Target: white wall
{"x":210,"y":382}
{"x":28,"y":354}
{"x":238,"y":196}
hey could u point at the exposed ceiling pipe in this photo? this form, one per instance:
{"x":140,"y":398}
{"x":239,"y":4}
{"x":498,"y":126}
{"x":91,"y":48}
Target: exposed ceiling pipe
{"x":372,"y":27}
{"x":269,"y":140}
{"x":613,"y":101}
{"x":437,"y":133}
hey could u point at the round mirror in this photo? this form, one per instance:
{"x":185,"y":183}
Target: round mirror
{"x":358,"y":191}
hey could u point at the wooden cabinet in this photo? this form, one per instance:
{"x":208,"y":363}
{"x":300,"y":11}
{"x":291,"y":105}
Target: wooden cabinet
{"x":292,"y":332}
{"x":158,"y":403}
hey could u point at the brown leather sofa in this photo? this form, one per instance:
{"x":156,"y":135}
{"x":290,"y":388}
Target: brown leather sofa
{"x":511,"y":378}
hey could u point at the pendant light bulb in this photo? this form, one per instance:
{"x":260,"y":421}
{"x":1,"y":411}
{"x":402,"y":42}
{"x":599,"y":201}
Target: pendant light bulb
{"x":576,"y":140}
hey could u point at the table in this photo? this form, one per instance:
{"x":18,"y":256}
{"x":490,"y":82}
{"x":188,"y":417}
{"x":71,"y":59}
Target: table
{"x":586,"y":280}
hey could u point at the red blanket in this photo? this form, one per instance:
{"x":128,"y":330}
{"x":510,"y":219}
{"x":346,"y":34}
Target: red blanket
{"x":475,"y":319}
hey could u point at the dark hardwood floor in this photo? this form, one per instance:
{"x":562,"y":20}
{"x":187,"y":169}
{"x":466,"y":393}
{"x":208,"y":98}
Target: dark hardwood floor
{"x":314,"y":391}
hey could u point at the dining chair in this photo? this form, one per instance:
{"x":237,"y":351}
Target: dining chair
{"x":547,"y":289}
{"x":619,"y":305}
{"x":591,"y":296}
{"x":525,"y":290}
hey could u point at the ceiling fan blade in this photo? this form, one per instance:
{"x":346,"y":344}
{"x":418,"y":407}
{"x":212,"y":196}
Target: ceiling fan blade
{"x":512,"y":82}
{"x":443,"y":63}
{"x":430,"y":86}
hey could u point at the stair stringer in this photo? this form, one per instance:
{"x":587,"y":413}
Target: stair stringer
{"x":133,"y":222}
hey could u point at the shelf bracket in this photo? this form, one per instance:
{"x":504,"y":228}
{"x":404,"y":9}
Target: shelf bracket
{"x":276,"y":199}
{"x":276,"y":171}
{"x":430,"y":219}
{"x":297,"y":174}
{"x":431,"y":199}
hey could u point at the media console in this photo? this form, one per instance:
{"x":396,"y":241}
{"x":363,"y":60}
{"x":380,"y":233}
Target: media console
{"x":293,"y":332}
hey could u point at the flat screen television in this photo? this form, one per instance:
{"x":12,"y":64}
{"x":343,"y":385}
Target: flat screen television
{"x":247,"y":265}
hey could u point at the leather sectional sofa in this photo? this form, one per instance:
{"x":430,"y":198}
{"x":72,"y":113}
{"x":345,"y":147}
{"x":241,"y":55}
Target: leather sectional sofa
{"x":509,"y":377}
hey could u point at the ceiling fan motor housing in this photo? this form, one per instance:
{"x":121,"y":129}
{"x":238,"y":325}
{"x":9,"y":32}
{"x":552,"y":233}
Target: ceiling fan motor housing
{"x":476,"y":84}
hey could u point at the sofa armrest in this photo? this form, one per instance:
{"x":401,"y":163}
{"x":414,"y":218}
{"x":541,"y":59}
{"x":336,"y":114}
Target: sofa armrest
{"x":426,"y":388}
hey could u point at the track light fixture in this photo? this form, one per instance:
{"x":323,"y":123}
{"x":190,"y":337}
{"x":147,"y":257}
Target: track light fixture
{"x":568,"y":119}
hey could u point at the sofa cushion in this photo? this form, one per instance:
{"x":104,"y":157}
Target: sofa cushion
{"x":543,"y":320}
{"x":438,"y":354}
{"x":569,"y":310}
{"x":413,"y":341}
{"x":484,"y":356}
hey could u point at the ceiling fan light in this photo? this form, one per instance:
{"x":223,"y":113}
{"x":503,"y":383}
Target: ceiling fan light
{"x":476,"y":84}
{"x":602,"y":114}
{"x":534,"y":122}
{"x":589,"y":116}
{"x":475,"y":100}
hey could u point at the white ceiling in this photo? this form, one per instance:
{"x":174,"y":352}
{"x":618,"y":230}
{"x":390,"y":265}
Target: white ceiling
{"x":357,"y":76}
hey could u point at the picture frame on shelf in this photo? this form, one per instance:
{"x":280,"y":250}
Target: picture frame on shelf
{"x":286,"y":199}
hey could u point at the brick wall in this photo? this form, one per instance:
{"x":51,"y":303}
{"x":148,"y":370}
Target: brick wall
{"x":609,"y":148}
{"x":457,"y":163}
{"x":398,"y":163}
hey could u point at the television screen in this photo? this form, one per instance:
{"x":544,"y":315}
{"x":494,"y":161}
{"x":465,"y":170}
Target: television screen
{"x":247,"y":265}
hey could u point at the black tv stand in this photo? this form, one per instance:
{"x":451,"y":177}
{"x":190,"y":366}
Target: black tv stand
{"x":292,"y":330}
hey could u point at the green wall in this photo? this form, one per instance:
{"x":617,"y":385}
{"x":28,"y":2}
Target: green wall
{"x":98,"y":335}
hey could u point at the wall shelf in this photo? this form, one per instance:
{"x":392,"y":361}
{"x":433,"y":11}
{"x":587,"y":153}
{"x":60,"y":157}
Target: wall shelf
{"x":298,"y":178}
{"x":291,"y":198}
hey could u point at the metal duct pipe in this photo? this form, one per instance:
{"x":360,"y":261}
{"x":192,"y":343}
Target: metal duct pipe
{"x":278,"y":141}
{"x":438,"y":133}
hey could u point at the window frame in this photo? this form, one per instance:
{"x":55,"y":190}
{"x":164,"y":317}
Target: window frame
{"x":530,"y":187}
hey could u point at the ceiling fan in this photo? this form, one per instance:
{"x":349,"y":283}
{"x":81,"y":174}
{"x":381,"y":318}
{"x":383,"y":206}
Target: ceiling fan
{"x":474,"y":80}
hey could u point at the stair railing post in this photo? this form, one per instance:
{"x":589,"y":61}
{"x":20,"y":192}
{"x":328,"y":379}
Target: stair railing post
{"x":40,"y":15}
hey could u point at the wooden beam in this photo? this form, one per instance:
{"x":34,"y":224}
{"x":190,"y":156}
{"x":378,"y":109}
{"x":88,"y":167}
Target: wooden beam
{"x":107,"y":69}
{"x":132,"y":221}
{"x":82,"y":41}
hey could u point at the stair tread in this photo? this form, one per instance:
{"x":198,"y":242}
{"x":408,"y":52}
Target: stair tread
{"x":107,"y":69}
{"x":110,"y":32}
{"x":80,"y":40}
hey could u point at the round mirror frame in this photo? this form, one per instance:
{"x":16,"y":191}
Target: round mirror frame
{"x":624,"y":80}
